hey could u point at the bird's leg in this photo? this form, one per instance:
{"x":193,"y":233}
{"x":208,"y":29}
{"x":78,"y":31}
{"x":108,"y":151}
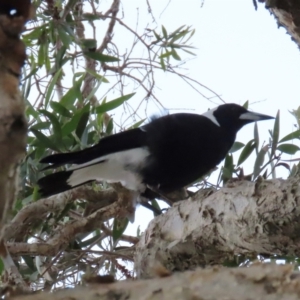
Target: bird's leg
{"x":171,"y":198}
{"x":162,"y":195}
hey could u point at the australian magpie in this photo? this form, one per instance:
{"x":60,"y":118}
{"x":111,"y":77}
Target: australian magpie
{"x":167,"y":154}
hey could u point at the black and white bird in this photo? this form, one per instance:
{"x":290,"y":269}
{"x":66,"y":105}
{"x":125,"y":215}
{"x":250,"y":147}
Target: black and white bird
{"x":165,"y":155}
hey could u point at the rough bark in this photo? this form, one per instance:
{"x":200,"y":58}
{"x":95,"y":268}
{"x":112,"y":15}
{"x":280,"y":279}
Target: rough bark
{"x":244,"y":218}
{"x":13,"y":15}
{"x":258,"y":282}
{"x":34,"y":213}
{"x":287,"y":14}
{"x":12,"y":120}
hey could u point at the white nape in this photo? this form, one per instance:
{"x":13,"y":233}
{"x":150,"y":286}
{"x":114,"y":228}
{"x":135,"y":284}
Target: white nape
{"x":210,"y":115}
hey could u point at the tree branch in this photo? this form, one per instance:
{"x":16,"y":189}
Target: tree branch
{"x":260,"y":281}
{"x":67,"y":232}
{"x":242,"y":218}
{"x":36,"y":211}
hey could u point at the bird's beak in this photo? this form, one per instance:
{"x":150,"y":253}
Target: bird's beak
{"x":253,"y":117}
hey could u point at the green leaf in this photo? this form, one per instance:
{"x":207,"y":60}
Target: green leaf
{"x":89,"y":43}
{"x":93,"y":91}
{"x":64,"y":212}
{"x":256,"y":137}
{"x":112,"y":104}
{"x":236,"y":146}
{"x":175,"y":55}
{"x":83,"y":122}
{"x":50,"y":88}
{"x":60,"y":58}
{"x":192,"y":32}
{"x":101,"y":57}
{"x":175,"y":32}
{"x":39,"y":151}
{"x":41,"y":125}
{"x":109,"y":126}
{"x":164,"y":31}
{"x":89,"y":241}
{"x":137,"y":124}
{"x":70,"y":126}
{"x":34,"y":196}
{"x":64,"y":36}
{"x":29,"y":262}
{"x":18,"y":205}
{"x":34,"y":34}
{"x":178,"y":33}
{"x":45,"y":141}
{"x":155,"y":205}
{"x":47,"y":63}
{"x":157,"y":36}
{"x":68,"y":141}
{"x":119,"y":227}
{"x":189,"y":52}
{"x":60,"y":109}
{"x":177,"y":46}
{"x":90,"y":17}
{"x":288,"y":148}
{"x":27,"y":77}
{"x":291,"y":136}
{"x":246,"y":104}
{"x":248,"y":149}
{"x":93,"y":137}
{"x":294,"y":171}
{"x":97,"y":76}
{"x":55,"y":123}
{"x":275,"y":134}
{"x":41,"y":55}
{"x":296,"y":114}
{"x":68,"y":100}
{"x":228,"y":168}
{"x":260,"y":160}
{"x":162,"y":64}
{"x":69,"y":97}
{"x":1,"y":266}
{"x":31,"y":111}
{"x":166,"y":54}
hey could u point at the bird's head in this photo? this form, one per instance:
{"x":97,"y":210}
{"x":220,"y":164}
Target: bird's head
{"x":234,"y":117}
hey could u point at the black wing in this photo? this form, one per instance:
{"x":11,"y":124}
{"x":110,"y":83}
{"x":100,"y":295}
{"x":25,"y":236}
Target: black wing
{"x":121,"y":141}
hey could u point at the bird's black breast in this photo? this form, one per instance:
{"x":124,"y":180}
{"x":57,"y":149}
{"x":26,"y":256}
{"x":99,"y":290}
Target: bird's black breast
{"x":183,"y":147}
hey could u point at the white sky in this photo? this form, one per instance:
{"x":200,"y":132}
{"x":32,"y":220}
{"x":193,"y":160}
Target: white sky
{"x":241,"y":55}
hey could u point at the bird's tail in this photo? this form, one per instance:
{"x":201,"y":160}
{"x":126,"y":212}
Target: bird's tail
{"x":59,"y":159}
{"x":57,"y":183}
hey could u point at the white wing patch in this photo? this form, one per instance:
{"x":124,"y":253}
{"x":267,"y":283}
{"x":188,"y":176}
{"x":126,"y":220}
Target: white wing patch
{"x":210,"y":115}
{"x":116,"y":167}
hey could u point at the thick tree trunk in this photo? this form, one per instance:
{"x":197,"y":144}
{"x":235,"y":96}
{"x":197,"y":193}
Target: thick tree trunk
{"x":258,"y":282}
{"x":287,"y":14}
{"x":245,"y":218}
{"x":12,"y":120}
